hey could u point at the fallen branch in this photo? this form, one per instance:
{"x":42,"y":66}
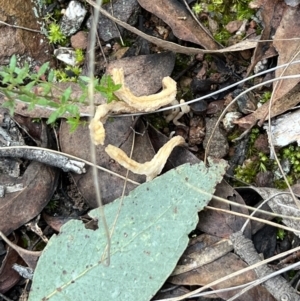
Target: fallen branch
{"x":277,"y":286}
{"x":46,"y":157}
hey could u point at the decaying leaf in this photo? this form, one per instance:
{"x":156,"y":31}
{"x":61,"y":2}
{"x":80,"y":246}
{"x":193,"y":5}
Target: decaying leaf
{"x":152,"y":168}
{"x":129,"y":103}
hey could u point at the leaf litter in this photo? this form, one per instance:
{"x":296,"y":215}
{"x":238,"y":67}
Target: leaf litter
{"x":285,"y":98}
{"x":141,"y":231}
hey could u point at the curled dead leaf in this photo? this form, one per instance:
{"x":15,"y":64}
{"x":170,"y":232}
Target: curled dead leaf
{"x":152,"y":168}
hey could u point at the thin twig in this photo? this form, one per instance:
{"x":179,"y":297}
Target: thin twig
{"x":269,"y":132}
{"x":93,"y":148}
{"x":20,"y":27}
{"x":73,"y":157}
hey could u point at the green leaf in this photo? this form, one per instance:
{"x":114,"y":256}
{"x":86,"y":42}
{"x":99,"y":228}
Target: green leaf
{"x":6,"y":78}
{"x":29,"y":86}
{"x":10,"y":105}
{"x":13,"y":63}
{"x":52,"y":118}
{"x":51,"y":76}
{"x":84,"y":78}
{"x":73,"y":123}
{"x":66,"y":95}
{"x":42,"y":101}
{"x":46,"y":87}
{"x":151,"y":234}
{"x":53,"y":104}
{"x":25,"y":98}
{"x":43,"y":69}
{"x":72,"y":109}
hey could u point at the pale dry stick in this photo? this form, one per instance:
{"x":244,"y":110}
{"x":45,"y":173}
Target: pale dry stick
{"x":5,"y":298}
{"x":93,"y":148}
{"x":248,"y":285}
{"x":234,"y":101}
{"x":21,"y":27}
{"x":73,"y":157}
{"x":237,"y":273}
{"x":254,"y":209}
{"x":269,"y":132}
{"x":100,"y":46}
{"x":112,"y":13}
{"x":265,"y":201}
{"x":263,"y":279}
{"x":123,"y":191}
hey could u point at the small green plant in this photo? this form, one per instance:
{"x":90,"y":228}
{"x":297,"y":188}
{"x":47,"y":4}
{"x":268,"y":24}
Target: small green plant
{"x":55,"y":35}
{"x":292,"y":153}
{"x":222,"y":36}
{"x":265,"y":97}
{"x":223,"y":12}
{"x":280,"y":234}
{"x":52,"y":205}
{"x":197,"y":8}
{"x":247,"y":172}
{"x":69,"y":74}
{"x":252,"y":138}
{"x":107,"y":88}
{"x":20,"y":84}
{"x":79,"y":56}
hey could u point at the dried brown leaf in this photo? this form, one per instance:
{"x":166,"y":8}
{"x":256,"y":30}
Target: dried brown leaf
{"x":287,"y":102}
{"x":246,"y":44}
{"x":180,"y":20}
{"x":289,"y":28}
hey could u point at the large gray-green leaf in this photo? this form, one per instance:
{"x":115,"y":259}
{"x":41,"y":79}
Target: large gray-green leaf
{"x":150,"y":235}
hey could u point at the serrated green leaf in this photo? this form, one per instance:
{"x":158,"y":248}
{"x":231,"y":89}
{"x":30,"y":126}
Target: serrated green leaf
{"x":51,"y":76}
{"x":10,"y":105}
{"x":13,"y":63}
{"x":84,"y":78}
{"x":6,"y":78}
{"x":151,"y":234}
{"x":42,"y":101}
{"x":29,"y":86}
{"x":52,"y":118}
{"x":25,"y":98}
{"x":53,"y":104}
{"x":66,"y":95}
{"x":43,"y":69}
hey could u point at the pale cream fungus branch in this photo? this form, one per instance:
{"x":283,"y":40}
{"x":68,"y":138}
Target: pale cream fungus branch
{"x":152,"y":168}
{"x":97,"y":131}
{"x":129,"y":103}
{"x":147,"y":103}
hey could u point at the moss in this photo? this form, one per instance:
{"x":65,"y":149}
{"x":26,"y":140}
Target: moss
{"x":157,"y":121}
{"x":224,"y":11}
